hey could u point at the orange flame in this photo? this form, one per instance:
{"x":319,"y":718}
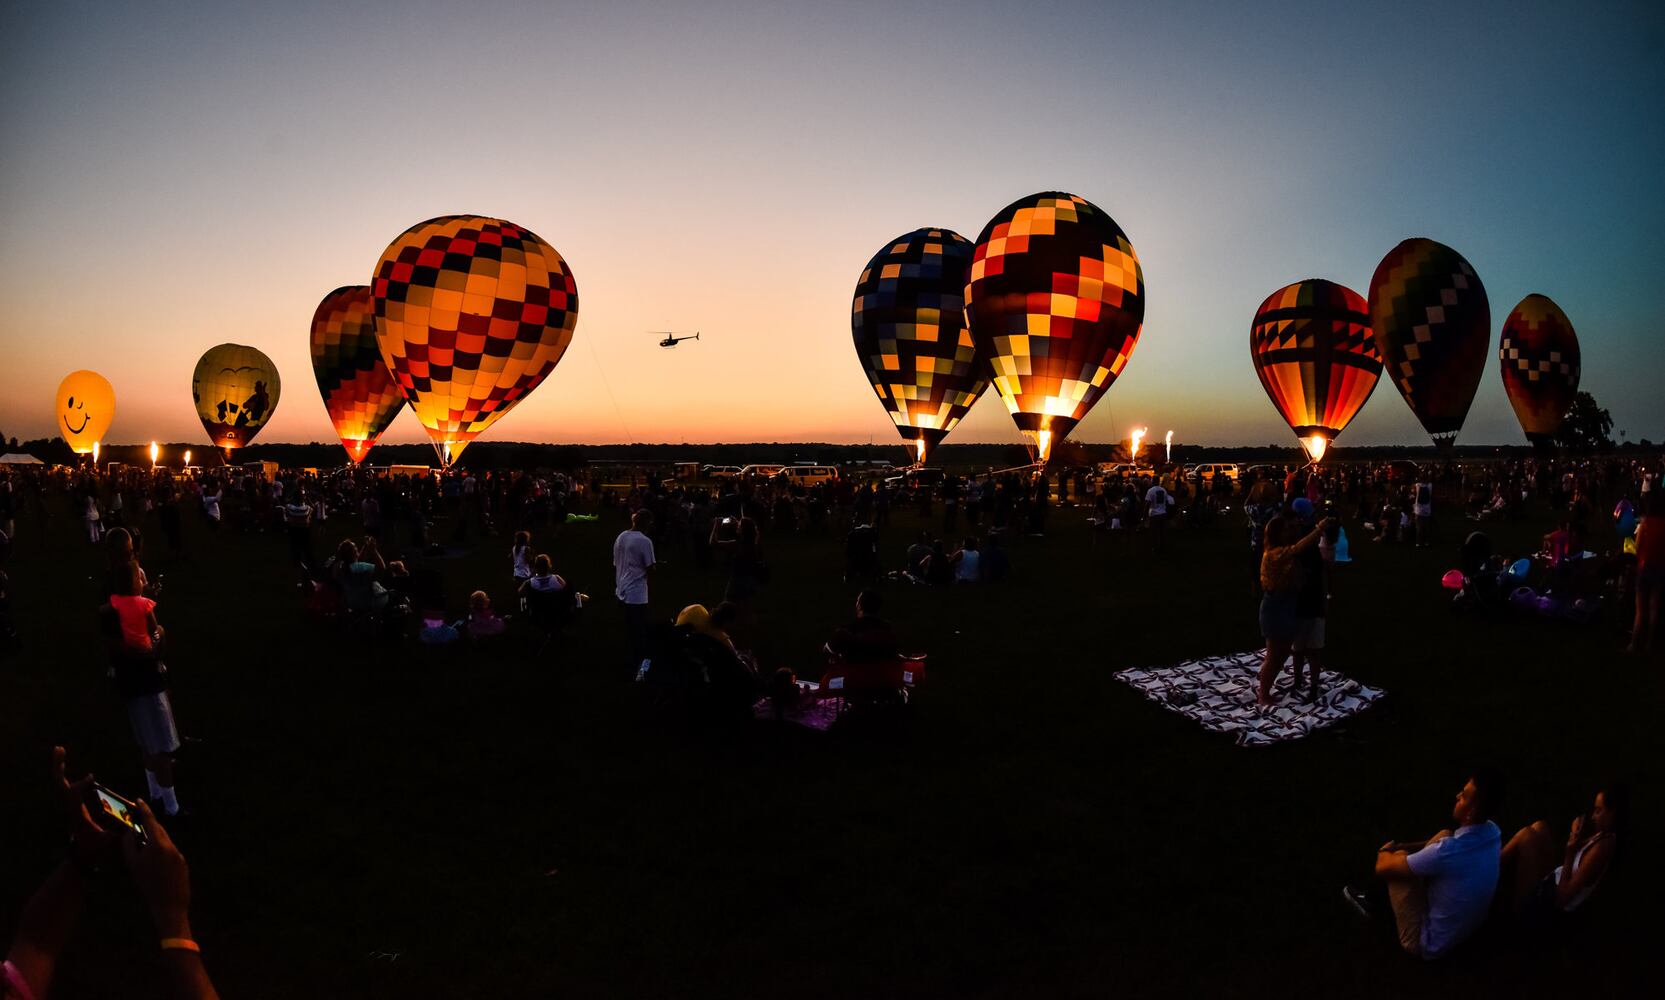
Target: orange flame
{"x":1137,"y":437}
{"x":1316,"y":445}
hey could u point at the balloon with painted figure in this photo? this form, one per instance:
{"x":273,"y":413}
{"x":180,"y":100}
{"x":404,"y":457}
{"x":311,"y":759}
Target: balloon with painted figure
{"x":236,"y":390}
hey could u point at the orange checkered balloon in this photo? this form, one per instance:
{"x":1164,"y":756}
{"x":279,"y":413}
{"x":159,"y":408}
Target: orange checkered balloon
{"x":471,"y":315}
{"x":358,"y":389}
{"x":1056,"y":301}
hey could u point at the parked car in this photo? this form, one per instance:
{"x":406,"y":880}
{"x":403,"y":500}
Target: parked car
{"x":722,"y":471}
{"x":914,"y":479}
{"x":759,"y":471}
{"x":808,"y":475}
{"x":1205,"y":473}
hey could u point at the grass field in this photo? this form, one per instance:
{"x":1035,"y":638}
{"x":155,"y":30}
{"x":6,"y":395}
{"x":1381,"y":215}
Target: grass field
{"x":515,"y":826}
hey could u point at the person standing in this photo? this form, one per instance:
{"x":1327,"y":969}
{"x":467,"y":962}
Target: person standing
{"x":1423,"y":507}
{"x":633,"y":561}
{"x":1650,"y":573}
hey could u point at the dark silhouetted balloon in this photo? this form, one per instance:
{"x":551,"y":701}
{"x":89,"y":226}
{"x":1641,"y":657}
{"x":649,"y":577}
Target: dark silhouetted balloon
{"x":1433,"y":330}
{"x":1540,"y":360}
{"x":908,"y":319}
{"x":235,"y":389}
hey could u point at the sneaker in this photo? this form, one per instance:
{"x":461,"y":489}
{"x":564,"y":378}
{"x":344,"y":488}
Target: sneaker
{"x":1360,"y":902}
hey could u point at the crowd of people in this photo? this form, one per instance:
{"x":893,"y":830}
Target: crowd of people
{"x":1439,"y":890}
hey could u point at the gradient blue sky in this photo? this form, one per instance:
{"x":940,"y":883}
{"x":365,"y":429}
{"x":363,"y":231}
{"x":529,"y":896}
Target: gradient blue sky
{"x":177,"y":175}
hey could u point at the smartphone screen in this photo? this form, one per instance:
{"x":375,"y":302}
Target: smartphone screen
{"x":119,"y":809}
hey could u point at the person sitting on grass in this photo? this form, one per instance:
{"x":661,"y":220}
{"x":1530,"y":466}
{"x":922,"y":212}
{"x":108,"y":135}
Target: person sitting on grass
{"x":355,"y":573}
{"x":483,"y":622}
{"x":917,"y":558}
{"x":967,"y":567}
{"x":1441,"y":889}
{"x":1545,"y":879}
{"x":435,"y":630}
{"x":867,"y":638}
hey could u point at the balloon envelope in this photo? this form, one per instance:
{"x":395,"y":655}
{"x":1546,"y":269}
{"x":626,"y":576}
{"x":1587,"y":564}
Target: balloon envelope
{"x":472,"y":314}
{"x":1433,"y":326}
{"x":357,"y":388}
{"x":83,"y":409}
{"x":1540,"y":360}
{"x":908,"y":320}
{"x":236,"y":389}
{"x":1055,"y":301}
{"x":1312,"y":347}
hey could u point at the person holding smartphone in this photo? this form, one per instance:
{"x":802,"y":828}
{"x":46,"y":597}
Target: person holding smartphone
{"x":158,"y":871}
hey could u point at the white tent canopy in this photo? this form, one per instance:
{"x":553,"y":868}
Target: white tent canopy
{"x":20,"y":459}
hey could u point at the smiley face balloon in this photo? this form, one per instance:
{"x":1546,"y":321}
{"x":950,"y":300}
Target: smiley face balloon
{"x":85,"y":406}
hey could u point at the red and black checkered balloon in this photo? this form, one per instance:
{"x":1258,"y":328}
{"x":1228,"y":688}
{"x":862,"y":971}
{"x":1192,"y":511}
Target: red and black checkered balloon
{"x":908,"y":319}
{"x":472,"y":314}
{"x":1540,"y":359}
{"x":358,"y":390}
{"x":1055,"y":301}
{"x":1433,"y":328}
{"x":1315,"y":354}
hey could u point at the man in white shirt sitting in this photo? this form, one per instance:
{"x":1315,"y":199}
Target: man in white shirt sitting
{"x":1441,"y":889}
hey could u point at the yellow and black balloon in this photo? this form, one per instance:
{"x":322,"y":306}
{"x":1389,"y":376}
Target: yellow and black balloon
{"x":1055,"y":301}
{"x":1314,"y":351}
{"x":83,"y":409}
{"x":235,"y":389}
{"x":1432,"y":322}
{"x":357,"y":388}
{"x":472,"y":314}
{"x":1540,"y":359}
{"x":908,"y":321}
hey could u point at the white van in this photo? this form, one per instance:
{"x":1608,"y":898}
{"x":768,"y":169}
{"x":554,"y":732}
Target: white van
{"x":808,"y":475}
{"x":1206,"y":473}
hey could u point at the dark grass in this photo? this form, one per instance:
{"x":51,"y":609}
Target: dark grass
{"x":514,"y":826}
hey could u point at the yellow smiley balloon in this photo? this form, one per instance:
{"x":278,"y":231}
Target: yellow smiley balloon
{"x":86,"y":404}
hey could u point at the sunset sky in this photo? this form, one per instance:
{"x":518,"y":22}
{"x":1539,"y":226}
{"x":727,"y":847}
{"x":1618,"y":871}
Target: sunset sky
{"x":173,"y":176}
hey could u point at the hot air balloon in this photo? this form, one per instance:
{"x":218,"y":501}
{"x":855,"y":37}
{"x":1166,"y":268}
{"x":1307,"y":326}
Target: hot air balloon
{"x":83,"y":409}
{"x":1055,"y":301}
{"x":357,"y":388}
{"x":1433,"y":328}
{"x":908,"y":319}
{"x":1316,"y":357}
{"x":471,"y":315}
{"x":235,"y":389}
{"x":1540,"y":360}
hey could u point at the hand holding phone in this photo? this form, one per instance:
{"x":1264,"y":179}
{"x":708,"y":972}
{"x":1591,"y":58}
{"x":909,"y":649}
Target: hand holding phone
{"x":116,"y":811}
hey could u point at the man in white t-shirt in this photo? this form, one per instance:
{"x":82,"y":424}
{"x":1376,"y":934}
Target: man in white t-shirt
{"x":1157,"y":502}
{"x":632,"y":563}
{"x":1422,"y":497}
{"x":1441,"y":889}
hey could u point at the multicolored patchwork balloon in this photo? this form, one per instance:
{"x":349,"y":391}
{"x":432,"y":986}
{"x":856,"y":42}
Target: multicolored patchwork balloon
{"x":1540,"y":359}
{"x":1055,"y":301}
{"x":471,"y":315}
{"x":235,"y":389}
{"x":908,"y":319}
{"x":1433,"y":328}
{"x":83,"y":409}
{"x":357,"y":388}
{"x":1316,"y":357}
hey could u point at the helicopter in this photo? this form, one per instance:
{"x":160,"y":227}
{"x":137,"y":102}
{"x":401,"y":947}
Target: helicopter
{"x":671,"y":339}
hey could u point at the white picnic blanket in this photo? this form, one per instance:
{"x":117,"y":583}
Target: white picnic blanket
{"x":1219,"y":694}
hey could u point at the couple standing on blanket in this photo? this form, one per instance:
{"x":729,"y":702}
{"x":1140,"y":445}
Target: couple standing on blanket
{"x":1295,"y":593}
